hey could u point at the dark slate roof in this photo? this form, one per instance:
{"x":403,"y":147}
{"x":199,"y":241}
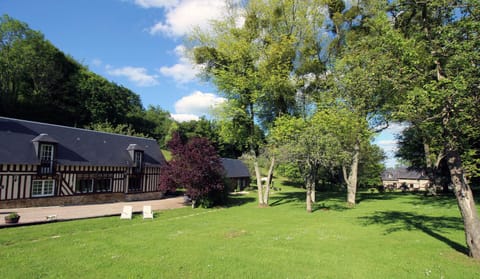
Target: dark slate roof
{"x":235,"y":168}
{"x":401,"y":173}
{"x":74,"y":146}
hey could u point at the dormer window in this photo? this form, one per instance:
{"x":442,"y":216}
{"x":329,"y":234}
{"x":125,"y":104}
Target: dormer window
{"x":136,"y":154}
{"x":45,"y":147}
{"x":138,"y":160}
{"x":46,"y":158}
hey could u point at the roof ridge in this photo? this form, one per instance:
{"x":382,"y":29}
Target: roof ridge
{"x":75,"y":128}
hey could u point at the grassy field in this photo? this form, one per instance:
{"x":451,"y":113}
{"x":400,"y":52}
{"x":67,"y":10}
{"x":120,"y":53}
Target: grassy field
{"x":386,"y":236}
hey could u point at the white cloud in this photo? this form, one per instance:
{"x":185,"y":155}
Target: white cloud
{"x":184,"y":117}
{"x":156,"y":3}
{"x":97,"y":62}
{"x":198,"y":103}
{"x":182,"y":72}
{"x":397,"y":128}
{"x":388,"y":145}
{"x":181,"y":16}
{"x":137,"y":75}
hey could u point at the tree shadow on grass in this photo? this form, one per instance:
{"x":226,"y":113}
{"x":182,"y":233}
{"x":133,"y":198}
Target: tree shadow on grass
{"x":325,"y":200}
{"x":287,"y":197}
{"x":293,"y":184}
{"x":408,"y":221}
{"x":441,"y":200}
{"x":238,"y":200}
{"x":377,"y":196}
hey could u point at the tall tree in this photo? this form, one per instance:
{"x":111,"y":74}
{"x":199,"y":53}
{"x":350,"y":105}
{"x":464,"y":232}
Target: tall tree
{"x":446,"y":89}
{"x":253,"y":63}
{"x":365,"y":78}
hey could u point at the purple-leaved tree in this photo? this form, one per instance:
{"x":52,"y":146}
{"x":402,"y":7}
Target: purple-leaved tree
{"x":195,"y":166}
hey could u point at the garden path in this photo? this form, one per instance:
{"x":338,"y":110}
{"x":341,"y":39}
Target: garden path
{"x":38,"y":215}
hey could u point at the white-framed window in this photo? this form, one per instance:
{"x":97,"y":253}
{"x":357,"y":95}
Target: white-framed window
{"x":46,"y":158}
{"x":43,"y":188}
{"x":84,"y":186}
{"x":93,"y":183}
{"x":46,"y":152}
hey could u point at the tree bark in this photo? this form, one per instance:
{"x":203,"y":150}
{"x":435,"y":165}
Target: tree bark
{"x":309,"y":190}
{"x":351,"y":177}
{"x":465,"y":201}
{"x":432,"y":168}
{"x":429,"y":168}
{"x":312,"y":195}
{"x":269,"y":181}
{"x":311,"y":176}
{"x":259,"y":183}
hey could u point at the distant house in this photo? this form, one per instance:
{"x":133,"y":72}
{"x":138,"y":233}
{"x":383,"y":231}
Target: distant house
{"x":237,"y":174}
{"x":44,"y":164}
{"x":399,"y":178}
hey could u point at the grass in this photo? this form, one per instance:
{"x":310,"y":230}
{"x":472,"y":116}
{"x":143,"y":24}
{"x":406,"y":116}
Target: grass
{"x":167,"y":154}
{"x":389,"y":235}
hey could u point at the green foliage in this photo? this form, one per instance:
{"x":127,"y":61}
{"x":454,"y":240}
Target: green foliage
{"x":122,"y":129}
{"x":13,"y":215}
{"x":370,"y":166}
{"x":324,"y":140}
{"x":262,"y":66}
{"x":36,"y":79}
{"x":232,"y":128}
{"x":167,"y":154}
{"x":39,"y":82}
{"x":105,"y":101}
{"x":228,"y":145}
{"x":441,"y":102}
{"x":291,"y":171}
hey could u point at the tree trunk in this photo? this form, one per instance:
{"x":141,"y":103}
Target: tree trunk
{"x":312,"y":195}
{"x":466,"y":203}
{"x":432,"y":168}
{"x":309,"y":192}
{"x":429,"y":168}
{"x":311,"y":175}
{"x":351,"y":177}
{"x":259,"y":183}
{"x":269,"y":180}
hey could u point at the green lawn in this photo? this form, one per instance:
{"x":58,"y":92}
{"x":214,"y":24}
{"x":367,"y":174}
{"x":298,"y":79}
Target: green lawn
{"x":385,"y":236}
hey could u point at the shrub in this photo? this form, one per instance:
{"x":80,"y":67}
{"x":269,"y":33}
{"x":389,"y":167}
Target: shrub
{"x":196,"y":166}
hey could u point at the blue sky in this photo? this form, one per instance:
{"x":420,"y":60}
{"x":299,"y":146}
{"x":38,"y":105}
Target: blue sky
{"x":138,"y":44}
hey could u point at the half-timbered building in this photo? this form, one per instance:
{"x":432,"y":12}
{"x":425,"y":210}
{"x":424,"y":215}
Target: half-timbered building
{"x":43,"y":164}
